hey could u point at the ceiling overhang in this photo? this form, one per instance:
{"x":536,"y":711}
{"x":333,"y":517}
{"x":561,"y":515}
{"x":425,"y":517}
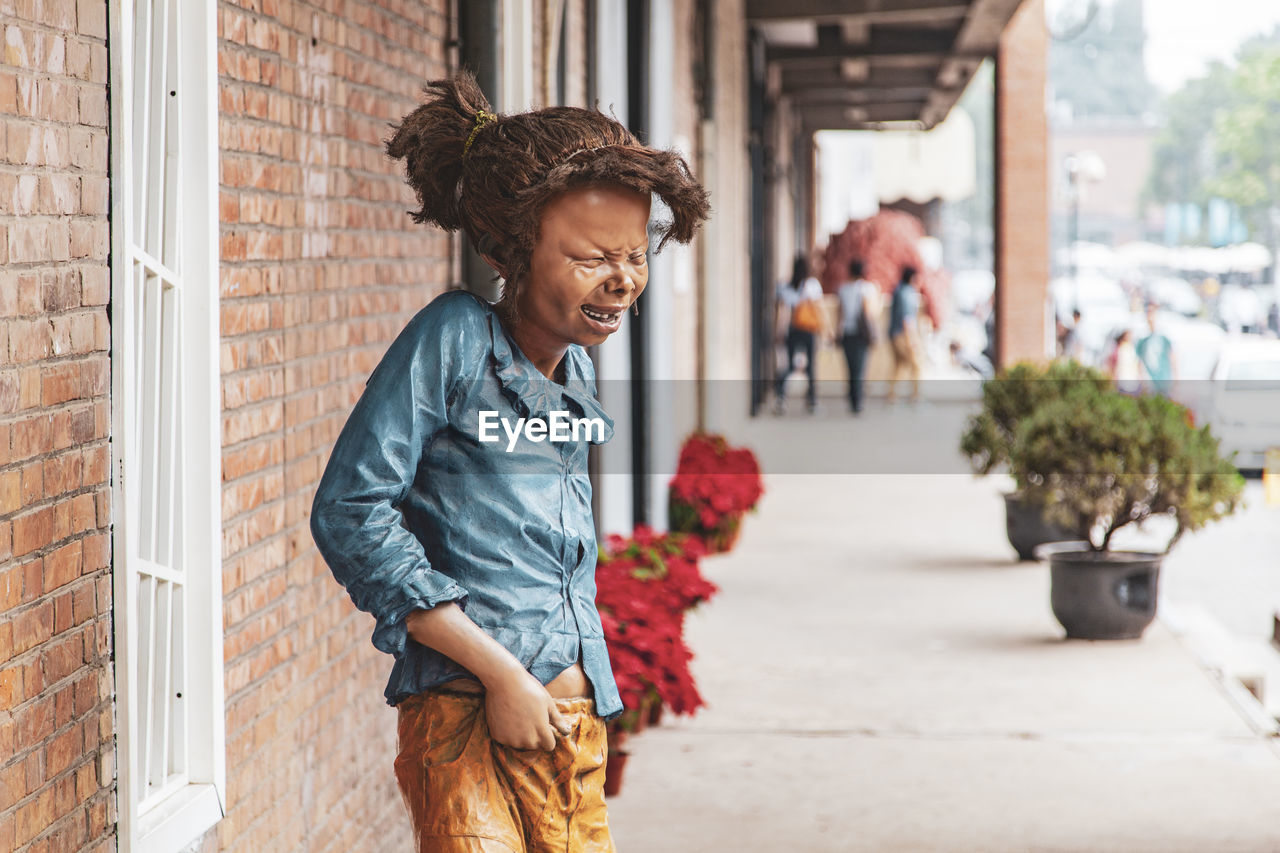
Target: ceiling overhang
{"x":875,"y":64}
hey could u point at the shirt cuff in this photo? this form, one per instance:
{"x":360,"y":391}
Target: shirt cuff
{"x":422,"y":590}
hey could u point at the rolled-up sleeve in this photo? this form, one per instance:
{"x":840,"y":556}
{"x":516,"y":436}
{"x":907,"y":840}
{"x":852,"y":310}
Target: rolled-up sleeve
{"x":355,"y":517}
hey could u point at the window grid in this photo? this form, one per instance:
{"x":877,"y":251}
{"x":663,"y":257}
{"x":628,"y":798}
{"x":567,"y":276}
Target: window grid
{"x":166,"y":448}
{"x":153,"y":467}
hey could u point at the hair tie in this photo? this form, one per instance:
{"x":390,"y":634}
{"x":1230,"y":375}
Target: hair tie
{"x":482,"y":118}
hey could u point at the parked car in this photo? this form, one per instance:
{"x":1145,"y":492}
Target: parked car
{"x":1176,"y":294}
{"x":1245,"y":412}
{"x":1240,"y":309}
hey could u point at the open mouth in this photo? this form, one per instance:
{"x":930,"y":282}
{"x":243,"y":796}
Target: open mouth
{"x":603,"y":319}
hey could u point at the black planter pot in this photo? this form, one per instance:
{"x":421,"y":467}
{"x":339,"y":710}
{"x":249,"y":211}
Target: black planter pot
{"x":1027,"y":528}
{"x":1102,"y":595}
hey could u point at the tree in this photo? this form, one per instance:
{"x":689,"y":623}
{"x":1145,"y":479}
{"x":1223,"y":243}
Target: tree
{"x":1099,"y":70}
{"x":1246,"y":135}
{"x":1217,"y":138}
{"x":1185,"y":160}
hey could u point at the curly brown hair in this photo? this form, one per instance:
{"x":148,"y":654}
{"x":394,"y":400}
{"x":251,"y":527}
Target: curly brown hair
{"x":492,"y":176}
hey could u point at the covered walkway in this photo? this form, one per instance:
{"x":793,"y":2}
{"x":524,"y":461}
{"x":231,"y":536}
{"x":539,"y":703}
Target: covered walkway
{"x":881,"y":676}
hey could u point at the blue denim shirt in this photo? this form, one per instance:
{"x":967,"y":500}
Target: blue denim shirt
{"x":414,"y":509}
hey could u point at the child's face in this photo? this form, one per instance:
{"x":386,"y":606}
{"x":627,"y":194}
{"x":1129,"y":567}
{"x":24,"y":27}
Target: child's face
{"x":588,"y":266}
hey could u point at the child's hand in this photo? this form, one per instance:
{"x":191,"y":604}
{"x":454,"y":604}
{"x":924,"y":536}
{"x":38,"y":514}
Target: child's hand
{"x":522,"y":714}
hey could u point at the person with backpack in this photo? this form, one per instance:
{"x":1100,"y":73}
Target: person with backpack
{"x":857,"y":328}
{"x":800,"y":307}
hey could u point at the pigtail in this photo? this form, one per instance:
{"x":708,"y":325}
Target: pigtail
{"x":491,"y":176}
{"x":432,"y":141}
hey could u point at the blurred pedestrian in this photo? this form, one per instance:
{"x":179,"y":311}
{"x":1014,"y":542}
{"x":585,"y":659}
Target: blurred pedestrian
{"x":904,"y":335}
{"x":989,"y":327}
{"x":801,"y":314}
{"x":975,"y":363}
{"x":857,"y":328}
{"x":1155,"y":350}
{"x":1124,"y":365}
{"x":1069,"y":338}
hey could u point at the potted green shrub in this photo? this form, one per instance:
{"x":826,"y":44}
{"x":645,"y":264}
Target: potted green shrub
{"x":1098,"y":462}
{"x":1007,"y":401}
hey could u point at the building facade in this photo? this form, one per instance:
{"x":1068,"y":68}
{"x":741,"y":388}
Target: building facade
{"x":203,"y":254}
{"x":198,"y":274}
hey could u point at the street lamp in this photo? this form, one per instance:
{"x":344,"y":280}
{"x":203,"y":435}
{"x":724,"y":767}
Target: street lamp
{"x":1066,"y":19}
{"x":1082,"y":167}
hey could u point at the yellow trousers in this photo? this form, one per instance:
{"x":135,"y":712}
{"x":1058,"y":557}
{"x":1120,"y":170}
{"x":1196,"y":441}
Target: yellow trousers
{"x":467,"y":793}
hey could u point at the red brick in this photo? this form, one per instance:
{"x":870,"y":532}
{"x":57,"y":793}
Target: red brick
{"x":77,"y":59}
{"x":63,"y":473}
{"x":69,"y":836}
{"x":62,"y":750}
{"x":10,"y":491}
{"x":63,"y":566}
{"x":29,"y":340}
{"x":10,"y":588}
{"x":93,"y":197}
{"x":60,"y":291}
{"x":91,"y":18}
{"x":32,"y":483}
{"x":29,"y":293}
{"x":8,"y":94}
{"x":84,"y":606}
{"x":30,"y":242}
{"x":89,"y":238}
{"x":32,"y":530}
{"x":93,"y":106}
{"x":11,"y":692}
{"x":60,"y":383}
{"x":10,"y":396}
{"x":63,"y":618}
{"x":29,"y":386}
{"x":33,"y":817}
{"x":32,"y":627}
{"x":13,"y":779}
{"x":63,"y":657}
{"x":97,"y":551}
{"x":30,"y":437}
{"x":95,"y":282}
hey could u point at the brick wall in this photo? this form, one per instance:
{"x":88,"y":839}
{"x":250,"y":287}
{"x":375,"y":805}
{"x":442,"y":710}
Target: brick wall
{"x":1022,"y":188}
{"x":321,"y":268}
{"x":56,"y":786}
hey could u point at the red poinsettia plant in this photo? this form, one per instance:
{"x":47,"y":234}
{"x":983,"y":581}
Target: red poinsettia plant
{"x":714,"y":486}
{"x":644,"y":585}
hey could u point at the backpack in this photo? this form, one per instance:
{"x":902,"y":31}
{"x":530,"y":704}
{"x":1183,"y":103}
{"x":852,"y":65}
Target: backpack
{"x":807,"y":316}
{"x":864,"y":331}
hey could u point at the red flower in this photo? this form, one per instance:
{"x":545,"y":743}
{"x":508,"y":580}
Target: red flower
{"x":645,"y":584}
{"x":714,"y":486}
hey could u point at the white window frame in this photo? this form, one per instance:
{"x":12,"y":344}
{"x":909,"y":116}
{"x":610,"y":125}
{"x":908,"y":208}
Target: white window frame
{"x":174,"y":814}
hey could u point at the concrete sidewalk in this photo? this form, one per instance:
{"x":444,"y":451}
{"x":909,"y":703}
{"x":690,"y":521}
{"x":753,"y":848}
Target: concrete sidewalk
{"x":883,"y":677}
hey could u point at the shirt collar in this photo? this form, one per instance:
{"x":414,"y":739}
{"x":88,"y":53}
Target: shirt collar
{"x":534,"y":395}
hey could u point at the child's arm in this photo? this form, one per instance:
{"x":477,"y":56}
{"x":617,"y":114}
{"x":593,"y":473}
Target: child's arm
{"x":521,"y":713}
{"x":355,"y":517}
